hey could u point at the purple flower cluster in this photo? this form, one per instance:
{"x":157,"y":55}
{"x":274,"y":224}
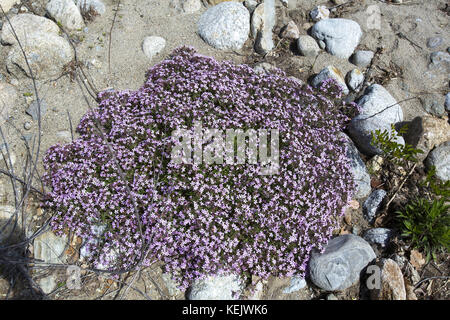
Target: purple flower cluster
{"x":203,"y":219}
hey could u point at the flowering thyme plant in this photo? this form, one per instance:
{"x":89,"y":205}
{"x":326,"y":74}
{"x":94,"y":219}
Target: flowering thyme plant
{"x":203,"y":219}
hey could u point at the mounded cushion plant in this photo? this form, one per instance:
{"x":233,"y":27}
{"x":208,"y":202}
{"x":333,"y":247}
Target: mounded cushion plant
{"x":203,"y":219}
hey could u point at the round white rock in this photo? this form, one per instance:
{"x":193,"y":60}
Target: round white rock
{"x":153,"y":45}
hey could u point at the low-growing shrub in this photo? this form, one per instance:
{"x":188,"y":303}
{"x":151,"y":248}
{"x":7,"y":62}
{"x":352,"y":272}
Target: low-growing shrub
{"x":427,"y":224}
{"x":393,"y":151}
{"x":203,"y":219}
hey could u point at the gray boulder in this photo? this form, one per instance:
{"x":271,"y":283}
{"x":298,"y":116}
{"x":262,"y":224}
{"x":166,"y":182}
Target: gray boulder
{"x":340,"y":265}
{"x":381,"y":236}
{"x":358,"y":168}
{"x":8,"y":4}
{"x":333,"y":73}
{"x":362,"y":58}
{"x":434,"y":42}
{"x":373,"y":204}
{"x":379,"y":110}
{"x":67,"y":13}
{"x":153,"y":45}
{"x":26,"y":24}
{"x":433,"y":104}
{"x":355,"y":79}
{"x":341,"y":36}
{"x":262,"y":23}
{"x":440,"y":158}
{"x":48,"y":284}
{"x":47,"y":55}
{"x":225,"y":26}
{"x":297,"y":283}
{"x":50,"y":248}
{"x":307,"y":46}
{"x":440,"y":60}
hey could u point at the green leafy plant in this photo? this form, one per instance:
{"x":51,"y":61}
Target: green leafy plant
{"x":427,"y":222}
{"x":393,"y":151}
{"x":437,"y":187}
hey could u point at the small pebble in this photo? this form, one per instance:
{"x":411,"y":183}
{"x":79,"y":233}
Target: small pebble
{"x":319,"y":13}
{"x":434,"y":42}
{"x":153,"y":45}
{"x":27,"y":125}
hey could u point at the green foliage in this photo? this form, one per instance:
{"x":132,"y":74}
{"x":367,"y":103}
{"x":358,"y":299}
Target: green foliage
{"x":439,"y":188}
{"x":392,"y":150}
{"x":427,"y":223}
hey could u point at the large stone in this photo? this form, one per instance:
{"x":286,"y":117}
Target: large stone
{"x":434,"y":42}
{"x":380,"y":236}
{"x":225,"y":26}
{"x":392,"y":282}
{"x":340,"y":265}
{"x":440,"y":60}
{"x":257,"y":20}
{"x":307,"y":46}
{"x":341,"y":36}
{"x":372,"y":205}
{"x":319,"y":13}
{"x":262,"y":23}
{"x":290,"y":31}
{"x":47,"y":55}
{"x":440,"y":158}
{"x":355,"y":79}
{"x":333,"y":73}
{"x":297,"y":283}
{"x":251,"y":5}
{"x":48,"y":284}
{"x":8,"y":98}
{"x":50,"y":248}
{"x":362,"y":58}
{"x":433,"y":104}
{"x":426,"y":132}
{"x":26,"y":24}
{"x":359,"y":171}
{"x":8,"y":4}
{"x":67,"y":13}
{"x":153,"y":45}
{"x":379,"y":110}
{"x":216,"y":287}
